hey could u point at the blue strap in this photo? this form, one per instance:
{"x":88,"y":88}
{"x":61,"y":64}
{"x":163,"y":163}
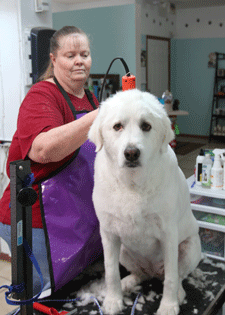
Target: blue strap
{"x":28,"y":180}
{"x":20,"y":287}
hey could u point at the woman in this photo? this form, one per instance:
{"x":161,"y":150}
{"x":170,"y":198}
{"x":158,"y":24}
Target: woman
{"x":47,"y":133}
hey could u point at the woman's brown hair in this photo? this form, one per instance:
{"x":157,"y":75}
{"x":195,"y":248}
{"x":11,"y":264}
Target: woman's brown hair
{"x":54,"y":46}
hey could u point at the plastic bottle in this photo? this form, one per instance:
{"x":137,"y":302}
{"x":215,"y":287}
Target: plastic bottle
{"x":217,"y":174}
{"x":168,"y":98}
{"x":90,"y":85}
{"x":223,"y":158}
{"x":104,"y":95}
{"x":95,"y":88}
{"x":206,"y":171}
{"x":199,"y":161}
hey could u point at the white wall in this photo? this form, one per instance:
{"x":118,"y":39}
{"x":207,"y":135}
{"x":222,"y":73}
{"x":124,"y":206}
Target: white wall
{"x":189,"y":27}
{"x":10,"y":66}
{"x":15,"y":17}
{"x":138,"y":26}
{"x":198,"y":34}
{"x":156,"y":22}
{"x":61,"y":7}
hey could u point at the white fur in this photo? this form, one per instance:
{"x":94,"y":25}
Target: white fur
{"x":146,"y":221}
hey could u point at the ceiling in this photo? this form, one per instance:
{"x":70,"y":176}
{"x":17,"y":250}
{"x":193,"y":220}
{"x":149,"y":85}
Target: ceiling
{"x":179,"y":3}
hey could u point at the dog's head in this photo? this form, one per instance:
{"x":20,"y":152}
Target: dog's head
{"x":131,"y":126}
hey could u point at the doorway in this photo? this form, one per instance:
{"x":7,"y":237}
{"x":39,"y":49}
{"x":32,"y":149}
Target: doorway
{"x":158,"y":64}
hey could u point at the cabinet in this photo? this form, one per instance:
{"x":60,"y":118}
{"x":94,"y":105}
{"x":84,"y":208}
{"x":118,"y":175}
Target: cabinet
{"x":217,"y":123}
{"x":208,"y":206}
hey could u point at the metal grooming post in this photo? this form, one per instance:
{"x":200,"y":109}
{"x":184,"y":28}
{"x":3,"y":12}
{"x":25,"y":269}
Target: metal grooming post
{"x":22,"y":199}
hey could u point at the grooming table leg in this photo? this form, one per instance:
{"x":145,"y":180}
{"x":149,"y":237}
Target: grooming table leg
{"x":22,"y":199}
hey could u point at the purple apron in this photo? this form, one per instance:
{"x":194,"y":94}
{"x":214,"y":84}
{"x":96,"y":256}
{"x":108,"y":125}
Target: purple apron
{"x":70,"y":223}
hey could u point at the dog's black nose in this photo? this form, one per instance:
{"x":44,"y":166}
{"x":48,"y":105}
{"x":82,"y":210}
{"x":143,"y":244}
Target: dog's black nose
{"x":132,"y":154}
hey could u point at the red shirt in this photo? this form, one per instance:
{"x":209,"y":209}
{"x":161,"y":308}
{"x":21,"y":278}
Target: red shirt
{"x":43,"y":108}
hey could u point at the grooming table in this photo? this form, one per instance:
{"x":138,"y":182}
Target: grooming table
{"x":205,"y":288}
{"x":205,"y":293}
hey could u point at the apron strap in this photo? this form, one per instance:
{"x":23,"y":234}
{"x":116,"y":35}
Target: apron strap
{"x":66,"y":96}
{"x":90,"y":98}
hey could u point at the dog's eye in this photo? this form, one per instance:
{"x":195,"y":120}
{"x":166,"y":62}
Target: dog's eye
{"x":118,"y":127}
{"x":146,"y":126}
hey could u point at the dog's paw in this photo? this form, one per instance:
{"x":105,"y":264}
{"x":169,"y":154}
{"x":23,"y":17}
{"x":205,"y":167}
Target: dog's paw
{"x":181,"y":295}
{"x":129,"y":282}
{"x":113,"y":305}
{"x":168,"y":309}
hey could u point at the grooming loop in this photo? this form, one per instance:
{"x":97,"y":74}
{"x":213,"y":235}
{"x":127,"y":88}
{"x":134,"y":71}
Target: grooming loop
{"x":128,"y":81}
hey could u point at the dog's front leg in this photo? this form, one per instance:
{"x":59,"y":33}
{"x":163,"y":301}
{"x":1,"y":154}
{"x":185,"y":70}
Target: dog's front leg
{"x":113,"y":302}
{"x":169,"y":304}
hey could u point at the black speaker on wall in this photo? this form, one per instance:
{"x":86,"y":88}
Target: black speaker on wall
{"x":40,"y":42}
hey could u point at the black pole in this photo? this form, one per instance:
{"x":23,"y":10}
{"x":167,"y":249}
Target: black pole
{"x":22,"y":199}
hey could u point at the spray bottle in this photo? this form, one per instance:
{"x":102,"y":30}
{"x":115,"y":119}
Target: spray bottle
{"x":206,"y":171}
{"x":217,"y":174}
{"x":199,"y":161}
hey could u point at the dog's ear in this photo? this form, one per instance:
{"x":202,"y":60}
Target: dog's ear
{"x":95,"y":133}
{"x":168,"y":134}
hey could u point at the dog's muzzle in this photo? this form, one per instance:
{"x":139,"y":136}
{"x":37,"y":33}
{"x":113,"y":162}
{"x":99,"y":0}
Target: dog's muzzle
{"x":132,"y":155}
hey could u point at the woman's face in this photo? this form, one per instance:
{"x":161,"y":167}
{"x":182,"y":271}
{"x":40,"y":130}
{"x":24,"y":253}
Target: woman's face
{"x":72,"y":61}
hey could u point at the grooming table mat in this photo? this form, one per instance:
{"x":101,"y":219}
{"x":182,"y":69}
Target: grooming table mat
{"x":205,"y":293}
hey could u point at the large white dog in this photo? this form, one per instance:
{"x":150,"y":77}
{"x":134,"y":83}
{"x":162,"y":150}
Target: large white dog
{"x":142,"y":200}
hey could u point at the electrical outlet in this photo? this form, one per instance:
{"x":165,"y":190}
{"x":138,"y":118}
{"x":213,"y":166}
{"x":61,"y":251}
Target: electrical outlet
{"x":41,"y":5}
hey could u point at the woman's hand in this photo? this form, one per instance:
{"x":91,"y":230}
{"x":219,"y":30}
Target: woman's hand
{"x":57,"y":143}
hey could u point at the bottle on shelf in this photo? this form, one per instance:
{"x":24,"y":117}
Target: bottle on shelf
{"x":199,"y":162}
{"x":95,"y":88}
{"x":90,"y":85}
{"x":223,"y":161}
{"x":217,"y":174}
{"x":206,"y":171}
{"x":104,"y":94}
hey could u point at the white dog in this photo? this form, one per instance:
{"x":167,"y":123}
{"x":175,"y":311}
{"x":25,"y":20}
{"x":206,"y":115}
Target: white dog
{"x":142,"y":200}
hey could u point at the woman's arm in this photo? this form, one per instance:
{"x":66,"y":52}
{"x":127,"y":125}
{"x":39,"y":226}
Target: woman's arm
{"x":57,"y":143}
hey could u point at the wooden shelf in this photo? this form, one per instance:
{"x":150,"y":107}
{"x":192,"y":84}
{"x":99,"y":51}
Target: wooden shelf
{"x":217,"y":99}
{"x":220,"y":56}
{"x":218,"y":138}
{"x":220,"y":78}
{"x":219,"y":96}
{"x":218,"y":116}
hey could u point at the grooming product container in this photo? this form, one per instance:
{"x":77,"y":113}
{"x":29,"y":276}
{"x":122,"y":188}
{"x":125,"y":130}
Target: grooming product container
{"x":217,"y":174}
{"x":199,"y":161}
{"x":206,"y":171}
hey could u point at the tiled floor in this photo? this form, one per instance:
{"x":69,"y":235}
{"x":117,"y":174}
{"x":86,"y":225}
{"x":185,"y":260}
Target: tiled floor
{"x":186,"y":163}
{"x":5,"y":279}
